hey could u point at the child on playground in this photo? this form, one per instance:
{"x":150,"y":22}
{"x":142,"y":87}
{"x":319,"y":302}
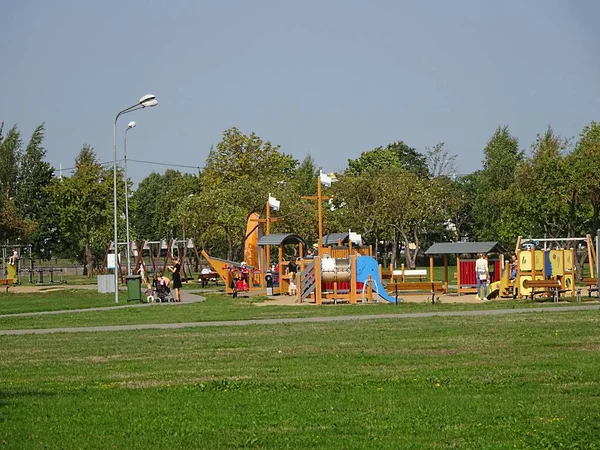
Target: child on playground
{"x":293,"y":289}
{"x":513,"y":267}
{"x":14,"y":257}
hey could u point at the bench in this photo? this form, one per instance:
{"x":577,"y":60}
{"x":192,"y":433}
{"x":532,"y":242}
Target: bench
{"x":7,"y":282}
{"x":205,"y":278}
{"x":426,"y":286}
{"x":404,"y":274}
{"x":544,"y":287}
{"x":592,"y":285}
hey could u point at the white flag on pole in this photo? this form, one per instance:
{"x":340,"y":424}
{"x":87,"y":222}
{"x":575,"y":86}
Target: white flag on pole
{"x":325,"y":179}
{"x":355,"y":238}
{"x":274,"y":203}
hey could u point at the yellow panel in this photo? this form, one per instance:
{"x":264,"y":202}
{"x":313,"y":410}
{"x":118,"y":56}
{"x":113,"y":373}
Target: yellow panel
{"x":568,"y":267}
{"x":539,"y":260}
{"x":523,"y":291}
{"x":556,"y":260}
{"x":525,"y":261}
{"x":568,"y":282}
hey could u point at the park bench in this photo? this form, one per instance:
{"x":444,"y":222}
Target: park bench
{"x":404,"y":274}
{"x":7,"y":282}
{"x":592,"y":285}
{"x":541,"y":287}
{"x":432,"y":287}
{"x":205,"y":278}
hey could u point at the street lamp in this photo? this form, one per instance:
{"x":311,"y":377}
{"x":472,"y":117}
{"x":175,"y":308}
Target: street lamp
{"x":131,"y":125}
{"x":146,"y":101}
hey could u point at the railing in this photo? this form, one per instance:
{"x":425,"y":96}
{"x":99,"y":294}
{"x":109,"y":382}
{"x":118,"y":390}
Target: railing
{"x":307,"y":281}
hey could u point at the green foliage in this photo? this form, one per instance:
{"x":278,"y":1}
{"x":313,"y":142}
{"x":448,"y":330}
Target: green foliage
{"x":33,"y":198}
{"x":492,"y":220}
{"x":85,"y":203}
{"x":545,"y":188}
{"x":395,"y":155}
{"x":585,"y":164}
{"x":238,"y":176}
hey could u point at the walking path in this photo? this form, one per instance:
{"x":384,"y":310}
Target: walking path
{"x":229,"y":323}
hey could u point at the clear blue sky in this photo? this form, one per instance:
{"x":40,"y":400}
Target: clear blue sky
{"x":331,"y":78}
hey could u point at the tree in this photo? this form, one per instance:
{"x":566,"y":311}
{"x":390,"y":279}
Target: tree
{"x":440,"y":162}
{"x":33,"y":201}
{"x":585,"y":164}
{"x":397,"y":154}
{"x":85,"y":203}
{"x":492,"y":196}
{"x":12,"y":223}
{"x":237,"y":178}
{"x":545,"y":188}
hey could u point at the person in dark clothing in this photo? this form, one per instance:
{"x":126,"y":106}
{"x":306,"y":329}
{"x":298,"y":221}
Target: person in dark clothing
{"x":292,"y":267}
{"x":175,"y":269}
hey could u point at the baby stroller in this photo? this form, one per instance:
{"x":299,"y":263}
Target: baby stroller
{"x":162,"y":293}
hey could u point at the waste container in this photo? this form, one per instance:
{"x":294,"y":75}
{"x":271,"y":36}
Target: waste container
{"x":134,"y":287}
{"x":269,"y":282}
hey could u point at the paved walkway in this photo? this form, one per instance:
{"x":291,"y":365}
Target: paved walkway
{"x":229,"y":323}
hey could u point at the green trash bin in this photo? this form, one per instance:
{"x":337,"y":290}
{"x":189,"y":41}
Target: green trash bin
{"x":134,"y":287}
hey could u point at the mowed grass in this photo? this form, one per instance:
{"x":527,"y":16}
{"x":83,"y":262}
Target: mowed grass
{"x":216,"y":307}
{"x":480,"y":382}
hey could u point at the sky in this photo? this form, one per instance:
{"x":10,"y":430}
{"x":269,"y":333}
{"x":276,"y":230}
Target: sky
{"x":329,"y":78}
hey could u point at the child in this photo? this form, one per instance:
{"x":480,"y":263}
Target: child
{"x":293,"y":289}
{"x":14,"y":257}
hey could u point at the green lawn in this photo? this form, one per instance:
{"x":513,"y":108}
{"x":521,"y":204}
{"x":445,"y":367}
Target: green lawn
{"x":217,"y":307}
{"x":514,"y":381}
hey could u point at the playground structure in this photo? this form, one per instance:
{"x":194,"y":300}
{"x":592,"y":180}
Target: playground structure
{"x":548,"y":271}
{"x":466,"y":281}
{"x":152,"y":258}
{"x":9,"y":273}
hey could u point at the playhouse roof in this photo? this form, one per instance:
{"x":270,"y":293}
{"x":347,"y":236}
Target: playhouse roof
{"x":457,"y":248}
{"x":281,"y":239}
{"x":333,"y":238}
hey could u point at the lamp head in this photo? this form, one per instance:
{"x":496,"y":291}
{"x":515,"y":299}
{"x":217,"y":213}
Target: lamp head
{"x":148,"y":101}
{"x":132,"y":124}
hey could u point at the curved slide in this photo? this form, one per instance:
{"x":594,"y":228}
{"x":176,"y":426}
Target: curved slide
{"x":365,"y":266}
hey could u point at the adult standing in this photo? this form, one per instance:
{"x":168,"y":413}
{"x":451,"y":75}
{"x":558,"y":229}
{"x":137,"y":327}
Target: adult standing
{"x":175,"y":269}
{"x":482,"y":273}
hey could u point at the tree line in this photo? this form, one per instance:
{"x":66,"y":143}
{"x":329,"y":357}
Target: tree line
{"x":399,"y":199}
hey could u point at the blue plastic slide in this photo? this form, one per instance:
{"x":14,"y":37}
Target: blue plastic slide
{"x":365,"y":266}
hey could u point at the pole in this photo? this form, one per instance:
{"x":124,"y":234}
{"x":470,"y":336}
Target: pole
{"x":597,"y":264}
{"x":115,"y":231}
{"x":268,"y":231}
{"x":320,"y":208}
{"x":126,"y":202}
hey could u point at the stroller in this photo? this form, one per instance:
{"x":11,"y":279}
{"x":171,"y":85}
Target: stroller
{"x":162,"y":293}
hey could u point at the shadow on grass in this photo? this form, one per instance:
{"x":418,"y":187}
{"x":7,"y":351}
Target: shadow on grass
{"x":8,"y":396}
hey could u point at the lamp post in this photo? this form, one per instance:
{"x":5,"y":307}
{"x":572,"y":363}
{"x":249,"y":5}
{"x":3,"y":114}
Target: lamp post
{"x":146,"y":101}
{"x":131,"y":125}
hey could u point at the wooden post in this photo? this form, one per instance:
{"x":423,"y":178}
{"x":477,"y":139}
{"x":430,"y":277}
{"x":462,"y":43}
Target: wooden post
{"x":318,"y":293}
{"x":370,"y":289}
{"x":458,"y":289}
{"x":402,"y":269}
{"x":281,"y":271}
{"x":352,"y":290}
{"x":431,"y":268}
{"x":446,"y":273}
{"x":320,"y":209}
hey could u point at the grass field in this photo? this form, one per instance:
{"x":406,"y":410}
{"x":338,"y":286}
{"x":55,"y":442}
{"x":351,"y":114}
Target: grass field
{"x":215,"y":308}
{"x":474,"y":382}
{"x":480,"y":382}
